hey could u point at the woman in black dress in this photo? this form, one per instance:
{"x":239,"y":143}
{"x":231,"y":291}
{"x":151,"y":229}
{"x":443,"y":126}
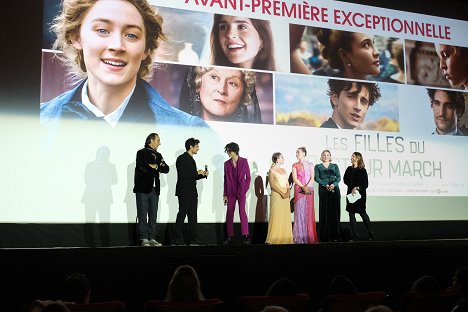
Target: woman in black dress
{"x":355,"y":178}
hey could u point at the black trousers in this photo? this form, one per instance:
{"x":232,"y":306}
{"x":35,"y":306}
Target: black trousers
{"x":187,"y":207}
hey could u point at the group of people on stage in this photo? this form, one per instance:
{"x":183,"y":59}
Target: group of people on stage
{"x":327,"y":175}
{"x":150,"y":164}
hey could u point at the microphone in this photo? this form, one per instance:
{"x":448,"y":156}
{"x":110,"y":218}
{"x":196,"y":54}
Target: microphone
{"x":206,"y":169}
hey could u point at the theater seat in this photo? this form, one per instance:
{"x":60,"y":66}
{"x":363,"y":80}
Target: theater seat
{"x":208,"y":305}
{"x":353,"y":303}
{"x":424,"y":302}
{"x":105,"y":306}
{"x":297,"y":303}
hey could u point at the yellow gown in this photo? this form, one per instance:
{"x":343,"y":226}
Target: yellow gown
{"x":279,"y":224}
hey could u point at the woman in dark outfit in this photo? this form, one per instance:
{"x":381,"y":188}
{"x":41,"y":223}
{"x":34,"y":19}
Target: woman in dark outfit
{"x":327,"y":175}
{"x":355,"y":178}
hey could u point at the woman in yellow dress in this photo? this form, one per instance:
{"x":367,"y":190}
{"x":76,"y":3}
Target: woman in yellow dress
{"x":279,"y":225}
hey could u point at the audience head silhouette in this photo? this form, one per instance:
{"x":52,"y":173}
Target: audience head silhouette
{"x":77,"y":289}
{"x":282,"y":287}
{"x":341,"y":285}
{"x":379,"y":308}
{"x":426,"y":284}
{"x":56,"y":306}
{"x":184,"y":285}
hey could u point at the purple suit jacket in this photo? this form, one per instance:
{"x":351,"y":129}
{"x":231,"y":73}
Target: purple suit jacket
{"x":236,"y":180}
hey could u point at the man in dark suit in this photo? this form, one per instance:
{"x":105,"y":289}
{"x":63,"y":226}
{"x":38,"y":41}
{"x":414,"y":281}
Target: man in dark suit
{"x":149,"y":164}
{"x":350,"y":101}
{"x":186,"y":191}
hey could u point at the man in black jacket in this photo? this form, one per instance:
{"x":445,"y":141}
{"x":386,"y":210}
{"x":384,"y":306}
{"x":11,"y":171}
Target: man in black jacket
{"x":149,"y":164}
{"x":186,"y":191}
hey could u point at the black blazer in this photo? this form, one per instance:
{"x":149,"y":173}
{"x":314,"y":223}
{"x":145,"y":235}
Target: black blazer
{"x":145,"y":176}
{"x":356,"y":177}
{"x":187,"y":176}
{"x":330,"y":123}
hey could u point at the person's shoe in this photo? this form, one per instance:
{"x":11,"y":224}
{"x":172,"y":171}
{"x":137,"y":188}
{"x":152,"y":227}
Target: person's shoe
{"x":246,"y":239}
{"x":228,"y":241}
{"x":145,"y":242}
{"x":154,"y":243}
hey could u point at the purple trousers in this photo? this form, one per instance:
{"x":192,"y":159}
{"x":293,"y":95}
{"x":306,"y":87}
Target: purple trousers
{"x":231,"y":206}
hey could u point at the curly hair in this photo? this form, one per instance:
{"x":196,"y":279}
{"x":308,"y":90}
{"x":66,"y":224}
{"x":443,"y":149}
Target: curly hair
{"x":66,"y":26}
{"x":336,"y":86}
{"x":456,"y":98}
{"x":232,"y":147}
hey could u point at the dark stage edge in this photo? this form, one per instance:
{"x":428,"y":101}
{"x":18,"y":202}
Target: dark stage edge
{"x":136,"y":274}
{"x":33,"y":235}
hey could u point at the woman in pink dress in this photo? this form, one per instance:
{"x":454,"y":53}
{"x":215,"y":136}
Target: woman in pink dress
{"x":304,"y":231}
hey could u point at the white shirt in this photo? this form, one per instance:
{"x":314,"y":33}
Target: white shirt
{"x":111,"y":118}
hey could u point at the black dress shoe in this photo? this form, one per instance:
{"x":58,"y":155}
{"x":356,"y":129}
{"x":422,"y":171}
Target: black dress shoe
{"x":228,"y":241}
{"x":246,"y":239}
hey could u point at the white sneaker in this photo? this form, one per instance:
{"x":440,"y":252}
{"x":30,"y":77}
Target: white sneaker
{"x":154,"y":243}
{"x":145,"y":242}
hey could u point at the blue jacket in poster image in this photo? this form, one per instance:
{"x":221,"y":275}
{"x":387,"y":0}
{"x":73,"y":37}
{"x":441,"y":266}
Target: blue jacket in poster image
{"x":145,"y":105}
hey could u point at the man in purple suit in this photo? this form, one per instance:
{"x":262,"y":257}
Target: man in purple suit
{"x":236,"y":185}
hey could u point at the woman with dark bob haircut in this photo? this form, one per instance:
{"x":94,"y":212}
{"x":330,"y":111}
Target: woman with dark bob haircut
{"x":242,"y":42}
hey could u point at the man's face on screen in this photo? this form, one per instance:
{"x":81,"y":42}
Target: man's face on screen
{"x":112,"y":38}
{"x":350,"y":107}
{"x":445,"y":114}
{"x":220,"y":93}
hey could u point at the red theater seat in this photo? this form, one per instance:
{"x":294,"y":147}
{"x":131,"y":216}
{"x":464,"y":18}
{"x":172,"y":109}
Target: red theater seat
{"x":353,"y":303}
{"x":105,"y":306}
{"x":208,"y":305}
{"x":297,"y":303}
{"x":424,"y":302}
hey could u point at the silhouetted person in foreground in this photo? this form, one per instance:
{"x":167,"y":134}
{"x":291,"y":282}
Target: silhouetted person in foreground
{"x":77,"y":289}
{"x":184,"y":285}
